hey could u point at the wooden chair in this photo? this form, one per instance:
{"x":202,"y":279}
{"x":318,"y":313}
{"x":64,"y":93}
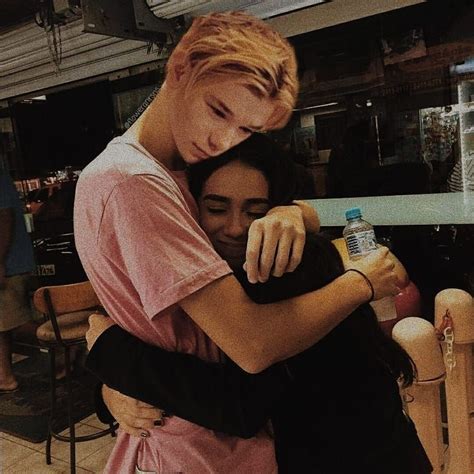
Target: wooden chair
{"x":67,"y":309}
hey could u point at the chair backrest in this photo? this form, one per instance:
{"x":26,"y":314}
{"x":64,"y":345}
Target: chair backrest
{"x":66,"y":298}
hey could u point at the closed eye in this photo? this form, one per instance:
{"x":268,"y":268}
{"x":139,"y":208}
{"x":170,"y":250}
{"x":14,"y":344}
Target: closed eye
{"x":256,"y":215}
{"x":215,"y":210}
{"x":219,"y":113}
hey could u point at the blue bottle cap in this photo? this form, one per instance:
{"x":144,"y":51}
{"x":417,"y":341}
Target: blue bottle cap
{"x":353,"y":213}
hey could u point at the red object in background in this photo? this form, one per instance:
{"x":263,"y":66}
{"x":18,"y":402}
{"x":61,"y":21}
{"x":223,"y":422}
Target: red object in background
{"x":407,"y":303}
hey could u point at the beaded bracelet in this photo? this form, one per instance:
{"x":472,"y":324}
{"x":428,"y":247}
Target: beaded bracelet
{"x":369,"y":283}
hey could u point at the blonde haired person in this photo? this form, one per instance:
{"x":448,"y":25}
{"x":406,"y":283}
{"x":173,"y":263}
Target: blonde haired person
{"x":154,"y":269}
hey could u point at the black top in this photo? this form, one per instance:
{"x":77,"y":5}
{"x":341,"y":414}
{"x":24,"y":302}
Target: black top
{"x":335,"y":408}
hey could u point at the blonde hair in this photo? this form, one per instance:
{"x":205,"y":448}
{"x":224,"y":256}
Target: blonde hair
{"x":240,"y":45}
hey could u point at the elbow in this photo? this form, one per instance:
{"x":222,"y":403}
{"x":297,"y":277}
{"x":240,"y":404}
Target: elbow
{"x":254,"y":359}
{"x":253,"y":367}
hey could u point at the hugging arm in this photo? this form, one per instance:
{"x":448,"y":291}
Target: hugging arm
{"x":217,"y":396}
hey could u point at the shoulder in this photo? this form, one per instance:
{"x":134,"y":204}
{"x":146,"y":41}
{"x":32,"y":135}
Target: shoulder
{"x":122,"y":169}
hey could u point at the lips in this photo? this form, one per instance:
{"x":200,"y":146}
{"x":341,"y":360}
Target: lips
{"x":201,"y":154}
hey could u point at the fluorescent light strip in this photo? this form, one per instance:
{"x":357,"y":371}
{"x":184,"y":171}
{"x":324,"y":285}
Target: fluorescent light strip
{"x":329,"y":104}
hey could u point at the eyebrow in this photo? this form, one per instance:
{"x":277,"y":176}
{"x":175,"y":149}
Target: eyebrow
{"x":219,"y":198}
{"x":255,"y":128}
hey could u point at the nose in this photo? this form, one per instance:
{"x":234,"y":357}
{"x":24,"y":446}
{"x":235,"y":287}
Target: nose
{"x":236,"y":226}
{"x":222,"y":140}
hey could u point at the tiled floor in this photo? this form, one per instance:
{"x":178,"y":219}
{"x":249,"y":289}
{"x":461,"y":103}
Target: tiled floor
{"x":20,"y":457}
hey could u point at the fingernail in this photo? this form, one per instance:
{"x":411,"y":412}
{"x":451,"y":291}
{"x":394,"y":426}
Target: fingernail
{"x":158,"y":422}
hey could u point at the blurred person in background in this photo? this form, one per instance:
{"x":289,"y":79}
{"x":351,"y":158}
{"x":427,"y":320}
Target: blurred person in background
{"x":16,"y":265}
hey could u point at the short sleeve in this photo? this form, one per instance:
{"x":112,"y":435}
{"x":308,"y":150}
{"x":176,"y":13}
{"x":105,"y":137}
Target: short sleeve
{"x":149,"y":233}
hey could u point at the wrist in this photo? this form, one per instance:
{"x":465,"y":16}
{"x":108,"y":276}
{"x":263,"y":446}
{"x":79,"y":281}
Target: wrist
{"x":309,"y":215}
{"x":288,"y":208}
{"x":359,"y":285}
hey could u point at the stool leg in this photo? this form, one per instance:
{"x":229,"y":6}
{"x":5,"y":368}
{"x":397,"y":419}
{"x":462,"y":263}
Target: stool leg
{"x":72,"y":431}
{"x":52,"y":374}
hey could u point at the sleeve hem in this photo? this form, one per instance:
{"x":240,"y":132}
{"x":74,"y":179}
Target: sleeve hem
{"x":186,"y":287}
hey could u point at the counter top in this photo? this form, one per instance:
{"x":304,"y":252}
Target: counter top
{"x":413,"y":209}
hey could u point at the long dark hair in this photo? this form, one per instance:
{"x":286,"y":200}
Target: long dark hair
{"x":321,"y":261}
{"x":320,"y":265}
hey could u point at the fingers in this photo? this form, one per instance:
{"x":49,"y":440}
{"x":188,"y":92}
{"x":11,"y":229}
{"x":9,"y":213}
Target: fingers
{"x":379,"y":268}
{"x":273,"y":244}
{"x":252,"y":254}
{"x":99,"y":321}
{"x":267,"y":257}
{"x":296,"y":251}
{"x":132,"y":431}
{"x":382,"y":251}
{"x":96,"y":318}
{"x":142,"y":424}
{"x":145,"y":405}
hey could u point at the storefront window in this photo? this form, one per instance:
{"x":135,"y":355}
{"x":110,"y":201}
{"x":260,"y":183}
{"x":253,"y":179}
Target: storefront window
{"x":387,"y":103}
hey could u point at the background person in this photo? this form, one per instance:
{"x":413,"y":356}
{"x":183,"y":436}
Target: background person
{"x":16,"y":265}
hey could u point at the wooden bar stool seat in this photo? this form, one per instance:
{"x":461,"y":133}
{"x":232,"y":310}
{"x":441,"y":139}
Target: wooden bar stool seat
{"x":66,"y":309}
{"x":72,"y":326}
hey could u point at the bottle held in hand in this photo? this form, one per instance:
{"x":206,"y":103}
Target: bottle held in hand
{"x":360,"y":240}
{"x":358,"y":234}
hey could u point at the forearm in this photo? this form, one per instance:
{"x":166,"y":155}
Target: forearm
{"x":256,"y":336}
{"x":7,"y":221}
{"x":212,"y":395}
{"x":310,"y":217}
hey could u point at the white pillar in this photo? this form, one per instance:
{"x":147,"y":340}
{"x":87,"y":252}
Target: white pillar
{"x":459,"y":391}
{"x":418,"y":337}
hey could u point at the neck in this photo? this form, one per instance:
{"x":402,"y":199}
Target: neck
{"x":152,"y":130}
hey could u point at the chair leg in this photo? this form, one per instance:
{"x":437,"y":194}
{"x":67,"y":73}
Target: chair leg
{"x":52,"y":375}
{"x":72,"y":430}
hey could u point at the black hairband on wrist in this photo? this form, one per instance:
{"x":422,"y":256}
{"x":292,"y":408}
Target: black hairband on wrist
{"x":369,"y":283}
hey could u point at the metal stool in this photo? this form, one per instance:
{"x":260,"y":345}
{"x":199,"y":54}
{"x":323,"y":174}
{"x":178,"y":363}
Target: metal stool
{"x":67,"y":309}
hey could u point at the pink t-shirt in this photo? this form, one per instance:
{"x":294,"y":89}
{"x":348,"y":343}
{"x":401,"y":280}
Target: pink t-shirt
{"x":137,"y":235}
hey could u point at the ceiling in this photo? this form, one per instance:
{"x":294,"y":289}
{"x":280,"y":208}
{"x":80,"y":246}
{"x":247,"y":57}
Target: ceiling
{"x":16,"y":11}
{"x":13,"y":12}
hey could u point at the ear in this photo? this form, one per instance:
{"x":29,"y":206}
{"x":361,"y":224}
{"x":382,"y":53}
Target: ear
{"x":179,"y":72}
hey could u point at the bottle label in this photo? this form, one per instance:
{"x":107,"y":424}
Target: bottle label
{"x":361,"y":243}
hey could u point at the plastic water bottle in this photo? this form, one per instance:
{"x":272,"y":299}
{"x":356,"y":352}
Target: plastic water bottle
{"x":358,"y":234}
{"x":360,"y":241}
